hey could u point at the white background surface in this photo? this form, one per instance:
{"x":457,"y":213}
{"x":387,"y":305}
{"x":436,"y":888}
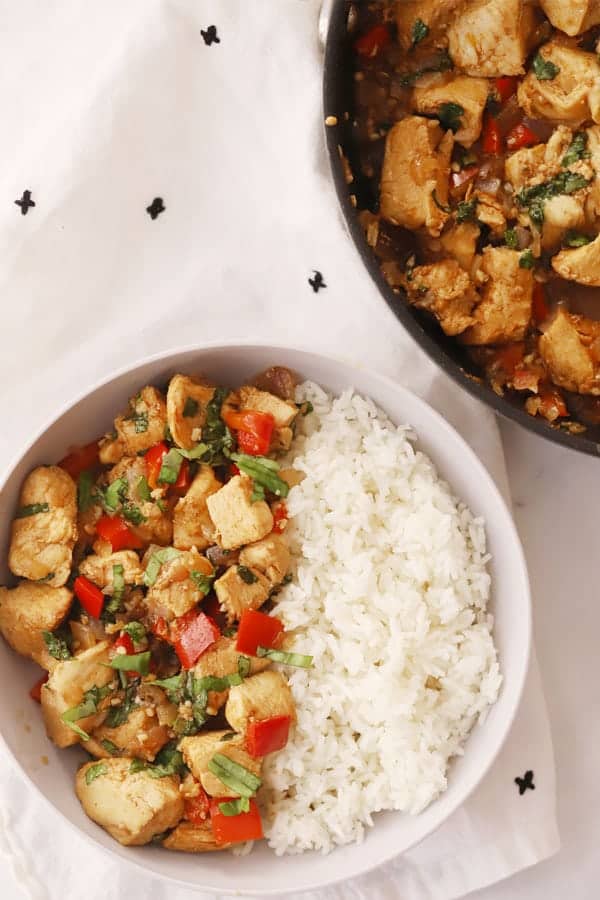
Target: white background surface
{"x":82,"y":80}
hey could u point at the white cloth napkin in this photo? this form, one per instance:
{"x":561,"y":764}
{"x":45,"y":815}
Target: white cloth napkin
{"x":105,"y":108}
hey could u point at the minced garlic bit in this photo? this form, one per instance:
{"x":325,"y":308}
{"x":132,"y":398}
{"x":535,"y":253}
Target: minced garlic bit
{"x":196,"y":434}
{"x":331,"y":120}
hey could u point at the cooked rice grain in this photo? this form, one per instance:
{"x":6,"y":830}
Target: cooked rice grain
{"x":390,"y":589}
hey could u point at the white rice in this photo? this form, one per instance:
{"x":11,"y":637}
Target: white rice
{"x":390,"y":588}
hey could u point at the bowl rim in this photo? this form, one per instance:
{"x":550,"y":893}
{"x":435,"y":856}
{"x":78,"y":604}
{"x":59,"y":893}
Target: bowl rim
{"x":119,"y":852}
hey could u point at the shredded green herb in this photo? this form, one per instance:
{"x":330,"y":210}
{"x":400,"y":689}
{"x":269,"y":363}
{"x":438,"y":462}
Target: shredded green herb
{"x":305,"y":408}
{"x":133,"y":514}
{"x":115,"y":493}
{"x":87,"y":707}
{"x":526,"y":260}
{"x":57,"y":645}
{"x":544,"y":69}
{"x":466,"y":211}
{"x":203,"y":582}
{"x":510,"y":238}
{"x":118,"y":715}
{"x":247,"y":575}
{"x":46,"y":578}
{"x":143,"y":489}
{"x":132,"y":662}
{"x":171,"y":464}
{"x":533,"y":198}
{"x":263,"y":472}
{"x":110,"y":747}
{"x":234,"y":776}
{"x":244,"y":665}
{"x":286,"y":659}
{"x":443,"y":64}
{"x":235,"y":807}
{"x":577,"y":149}
{"x":158,"y":559}
{"x":94,"y":771}
{"x":118,"y":584}
{"x":136,"y":631}
{"x":32,"y":509}
{"x":576,"y":239}
{"x":229,"y":736}
{"x":169,"y":761}
{"x":449,"y":116}
{"x":419,"y":32}
{"x":190,"y":408}
{"x":84,"y":490}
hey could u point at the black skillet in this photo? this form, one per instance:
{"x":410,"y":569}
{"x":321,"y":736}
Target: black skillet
{"x":446,"y":353}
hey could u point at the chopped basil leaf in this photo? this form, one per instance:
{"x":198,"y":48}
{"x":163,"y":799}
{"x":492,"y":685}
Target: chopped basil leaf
{"x":526,"y":260}
{"x":46,"y":578}
{"x":190,"y":408}
{"x":133,"y":514}
{"x":419,"y":32}
{"x":118,"y":582}
{"x":143,"y":489}
{"x":286,"y":659}
{"x":137,"y":765}
{"x":577,"y":149}
{"x":123,"y":680}
{"x":510,"y":238}
{"x":437,"y":202}
{"x":234,"y":776}
{"x":244,"y":664}
{"x":544,"y":69}
{"x":305,"y":408}
{"x":202,"y":582}
{"x":443,"y":64}
{"x":87,"y":707}
{"x":258,"y":493}
{"x":118,"y":715}
{"x":132,"y":662}
{"x":158,"y":559}
{"x":466,"y":211}
{"x":94,"y":771}
{"x":110,"y":747}
{"x":32,"y":510}
{"x":140,"y":421}
{"x":576,"y":239}
{"x":161,"y":505}
{"x":235,"y":807}
{"x":227,"y":737}
{"x":115,"y":493}
{"x":136,"y":631}
{"x":84,"y":490}
{"x":449,"y":116}
{"x":263,"y":472}
{"x":57,"y":645}
{"x":247,"y":575}
{"x":533,"y":198}
{"x":168,"y":762}
{"x":174,"y":687}
{"x":185,"y":727}
{"x":169,"y":470}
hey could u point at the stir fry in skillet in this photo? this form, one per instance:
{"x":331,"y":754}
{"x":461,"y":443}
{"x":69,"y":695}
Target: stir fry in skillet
{"x":478,"y":124}
{"x":146,"y":563}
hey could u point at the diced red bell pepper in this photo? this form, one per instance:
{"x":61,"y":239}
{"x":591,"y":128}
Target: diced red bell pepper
{"x":234,"y":829}
{"x":191,"y":635}
{"x":254,"y":430}
{"x":492,"y":139}
{"x":117,"y":532}
{"x":268,"y":735}
{"x":505,"y":87}
{"x":521,"y":136}
{"x":280,"y":518}
{"x":233,"y":470}
{"x":540,"y":307}
{"x":257,"y":630}
{"x":197,"y":809}
{"x":370,"y":43}
{"x":464,"y":176}
{"x":89,"y":595}
{"x":183,"y":479}
{"x":160,"y":628}
{"x":124,"y":640}
{"x":80,"y":459}
{"x":153,"y":459}
{"x":35,"y":691}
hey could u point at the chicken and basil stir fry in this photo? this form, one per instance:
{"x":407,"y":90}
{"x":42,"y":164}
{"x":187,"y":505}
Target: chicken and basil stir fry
{"x":147,"y":561}
{"x":478,"y":131}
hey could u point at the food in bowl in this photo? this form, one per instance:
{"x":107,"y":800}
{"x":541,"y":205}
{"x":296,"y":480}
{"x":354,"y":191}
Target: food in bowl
{"x":477,"y":143}
{"x":219,"y":699}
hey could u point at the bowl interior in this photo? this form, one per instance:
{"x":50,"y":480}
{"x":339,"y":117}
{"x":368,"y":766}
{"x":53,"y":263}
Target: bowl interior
{"x":261,"y":871}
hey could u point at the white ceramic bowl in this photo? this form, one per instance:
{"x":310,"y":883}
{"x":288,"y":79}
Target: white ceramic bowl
{"x":262,"y":872}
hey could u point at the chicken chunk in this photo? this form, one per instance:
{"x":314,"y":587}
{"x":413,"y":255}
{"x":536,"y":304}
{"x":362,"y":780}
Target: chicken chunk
{"x":568,"y":347}
{"x":26,"y":611}
{"x":237,"y":519}
{"x":582,"y":264}
{"x":192,"y":524}
{"x":100,"y":569}
{"x":445,"y":290}
{"x":283,"y":411}
{"x":504,"y":312}
{"x":192,"y":838}
{"x":143,"y":426}
{"x":175,"y":592}
{"x":153,"y":525}
{"x":561,"y":213}
{"x":573,"y":95}
{"x":469,"y":94}
{"x":270,"y":557}
{"x":65,"y":688}
{"x":490,"y":38}
{"x":490,"y":213}
{"x":572,"y":16}
{"x":132,"y":806}
{"x":220,"y":660}
{"x":460,"y":242}
{"x":42,"y":542}
{"x":592,"y":202}
{"x":141,"y":735}
{"x":200,"y":749}
{"x":260,"y":697}
{"x":435,"y":14}
{"x":524,"y":165}
{"x":415,"y":174}
{"x":187,"y":400}
{"x":241,"y":588}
